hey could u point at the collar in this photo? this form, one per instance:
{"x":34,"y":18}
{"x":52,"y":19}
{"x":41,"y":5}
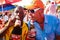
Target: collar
{"x":45,"y":20}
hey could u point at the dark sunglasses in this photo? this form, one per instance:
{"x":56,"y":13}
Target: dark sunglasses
{"x":34,"y":10}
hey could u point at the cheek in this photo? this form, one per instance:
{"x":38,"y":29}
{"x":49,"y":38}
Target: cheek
{"x":21,"y":17}
{"x":36,"y":16}
{"x":39,"y":17}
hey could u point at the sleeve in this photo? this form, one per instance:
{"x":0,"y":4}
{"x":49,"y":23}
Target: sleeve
{"x":58,"y":28}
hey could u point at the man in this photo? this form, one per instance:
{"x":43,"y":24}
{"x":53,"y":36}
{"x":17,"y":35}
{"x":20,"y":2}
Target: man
{"x":46,"y":26}
{"x":19,"y":34}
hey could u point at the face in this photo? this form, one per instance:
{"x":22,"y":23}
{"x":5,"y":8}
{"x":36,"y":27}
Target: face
{"x":25,"y":12}
{"x":20,"y":13}
{"x":38,"y":16}
{"x":30,"y":16}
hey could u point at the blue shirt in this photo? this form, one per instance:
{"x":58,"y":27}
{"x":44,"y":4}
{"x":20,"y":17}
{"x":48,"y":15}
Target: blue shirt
{"x":51,"y":25}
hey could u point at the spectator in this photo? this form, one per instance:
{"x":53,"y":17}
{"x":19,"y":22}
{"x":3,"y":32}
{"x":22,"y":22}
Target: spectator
{"x":19,"y":28}
{"x":46,"y":25}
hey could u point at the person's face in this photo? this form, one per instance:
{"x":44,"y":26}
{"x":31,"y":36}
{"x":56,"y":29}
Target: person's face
{"x":38,"y":16}
{"x":25,"y":12}
{"x":20,"y":16}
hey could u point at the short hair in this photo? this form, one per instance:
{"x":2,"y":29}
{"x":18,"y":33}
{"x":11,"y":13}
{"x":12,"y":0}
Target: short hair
{"x":25,"y":9}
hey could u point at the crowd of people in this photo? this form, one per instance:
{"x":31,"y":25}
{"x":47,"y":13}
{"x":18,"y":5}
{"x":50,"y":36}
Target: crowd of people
{"x":29,"y":24}
{"x":51,"y":8}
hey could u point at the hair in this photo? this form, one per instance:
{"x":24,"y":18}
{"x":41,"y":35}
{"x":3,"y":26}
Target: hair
{"x":25,"y":9}
{"x":6,"y":13}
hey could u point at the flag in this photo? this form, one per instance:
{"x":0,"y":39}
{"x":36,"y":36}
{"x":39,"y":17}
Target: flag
{"x":11,"y":1}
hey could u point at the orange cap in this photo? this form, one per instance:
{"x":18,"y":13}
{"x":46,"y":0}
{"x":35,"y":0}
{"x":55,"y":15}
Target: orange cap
{"x":36,"y":4}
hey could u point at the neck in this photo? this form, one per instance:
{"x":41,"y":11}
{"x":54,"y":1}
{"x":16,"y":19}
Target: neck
{"x":42,"y":26}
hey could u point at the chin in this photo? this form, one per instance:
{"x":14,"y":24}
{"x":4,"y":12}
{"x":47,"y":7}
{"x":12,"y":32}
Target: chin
{"x":41,"y":20}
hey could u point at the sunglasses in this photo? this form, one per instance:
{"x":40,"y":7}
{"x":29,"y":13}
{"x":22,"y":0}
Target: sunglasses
{"x":34,"y":10}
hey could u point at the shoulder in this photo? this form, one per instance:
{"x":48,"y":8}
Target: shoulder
{"x":51,"y":18}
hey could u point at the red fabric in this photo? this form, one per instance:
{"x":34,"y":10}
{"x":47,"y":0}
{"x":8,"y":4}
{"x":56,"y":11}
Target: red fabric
{"x":1,"y":24}
{"x":11,"y":1}
{"x":57,"y":37}
{"x":0,"y":21}
{"x":16,"y":37}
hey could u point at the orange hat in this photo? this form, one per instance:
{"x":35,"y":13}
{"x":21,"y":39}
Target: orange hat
{"x":39,"y":4}
{"x":36,"y":4}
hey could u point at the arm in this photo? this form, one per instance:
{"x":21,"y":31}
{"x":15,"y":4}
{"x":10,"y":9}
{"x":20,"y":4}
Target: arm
{"x":7,"y":25}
